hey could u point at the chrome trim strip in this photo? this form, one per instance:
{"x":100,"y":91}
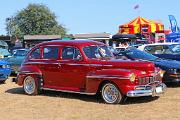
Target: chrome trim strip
{"x":29,"y":73}
{"x":96,"y":65}
{"x":41,"y":63}
{"x":108,"y":65}
{"x":57,"y":63}
{"x":109,"y":77}
{"x":69,"y":91}
{"x":74,"y":64}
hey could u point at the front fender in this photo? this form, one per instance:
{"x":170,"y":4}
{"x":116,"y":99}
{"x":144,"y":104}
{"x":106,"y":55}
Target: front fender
{"x":27,"y":70}
{"x":118,"y":76}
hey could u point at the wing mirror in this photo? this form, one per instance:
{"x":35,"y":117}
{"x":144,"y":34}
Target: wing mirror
{"x":79,"y":58}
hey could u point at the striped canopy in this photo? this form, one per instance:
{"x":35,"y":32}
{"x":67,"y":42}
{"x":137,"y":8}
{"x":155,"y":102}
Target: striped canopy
{"x":140,"y":25}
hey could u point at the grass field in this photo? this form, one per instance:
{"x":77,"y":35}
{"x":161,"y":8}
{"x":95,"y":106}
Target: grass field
{"x":15,"y":105}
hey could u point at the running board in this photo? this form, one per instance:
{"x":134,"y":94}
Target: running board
{"x":69,"y":91}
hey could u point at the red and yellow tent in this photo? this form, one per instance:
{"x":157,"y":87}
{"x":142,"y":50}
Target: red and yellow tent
{"x":140,"y":25}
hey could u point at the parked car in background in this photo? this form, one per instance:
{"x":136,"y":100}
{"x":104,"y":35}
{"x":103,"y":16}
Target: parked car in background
{"x":171,"y":67}
{"x":5,"y":71}
{"x":87,"y":67}
{"x":163,"y":50}
{"x":138,"y":42}
{"x":16,"y":59}
{"x":4,"y":50}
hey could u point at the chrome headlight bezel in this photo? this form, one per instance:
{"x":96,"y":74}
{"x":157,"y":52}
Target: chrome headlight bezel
{"x":161,"y":73}
{"x":132,"y":77}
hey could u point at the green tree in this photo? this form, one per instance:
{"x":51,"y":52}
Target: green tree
{"x":36,"y":19}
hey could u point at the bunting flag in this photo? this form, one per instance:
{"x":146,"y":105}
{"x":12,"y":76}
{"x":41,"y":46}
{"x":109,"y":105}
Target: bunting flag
{"x":136,"y":6}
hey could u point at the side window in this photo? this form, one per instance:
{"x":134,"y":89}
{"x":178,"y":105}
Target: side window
{"x":158,"y":50}
{"x":50,"y":52}
{"x":150,"y":49}
{"x":36,"y":54}
{"x":70,"y":53}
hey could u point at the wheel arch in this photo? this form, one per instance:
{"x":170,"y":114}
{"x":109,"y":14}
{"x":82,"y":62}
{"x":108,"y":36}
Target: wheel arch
{"x":106,"y":81}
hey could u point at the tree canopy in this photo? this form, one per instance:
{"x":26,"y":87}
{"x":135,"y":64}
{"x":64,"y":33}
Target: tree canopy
{"x":35,"y":19}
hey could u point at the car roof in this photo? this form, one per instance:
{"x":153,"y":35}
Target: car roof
{"x":141,"y":47}
{"x":75,"y":42}
{"x":167,"y":43}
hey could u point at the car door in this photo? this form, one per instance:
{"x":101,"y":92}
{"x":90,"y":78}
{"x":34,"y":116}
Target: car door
{"x":73,"y":69}
{"x":49,"y":66}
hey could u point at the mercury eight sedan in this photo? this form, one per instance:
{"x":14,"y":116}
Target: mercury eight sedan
{"x":87,"y":67}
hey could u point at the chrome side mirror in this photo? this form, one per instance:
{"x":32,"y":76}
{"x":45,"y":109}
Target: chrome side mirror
{"x":79,"y":58}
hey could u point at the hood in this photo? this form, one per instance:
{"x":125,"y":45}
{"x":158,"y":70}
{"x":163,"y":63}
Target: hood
{"x":129,"y":64}
{"x":167,"y":64}
{"x":2,"y":62}
{"x":4,"y":51}
{"x":15,"y":60}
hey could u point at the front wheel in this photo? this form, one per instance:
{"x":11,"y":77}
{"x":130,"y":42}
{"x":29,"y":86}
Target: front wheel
{"x":30,"y":86}
{"x":111,"y":94}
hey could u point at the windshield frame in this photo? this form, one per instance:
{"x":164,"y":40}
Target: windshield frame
{"x":99,"y":50}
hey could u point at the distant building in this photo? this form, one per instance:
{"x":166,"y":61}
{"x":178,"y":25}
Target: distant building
{"x":101,"y":37}
{"x":31,"y":40}
{"x":6,"y":39}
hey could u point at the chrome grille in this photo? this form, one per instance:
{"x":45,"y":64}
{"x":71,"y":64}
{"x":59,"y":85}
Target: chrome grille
{"x":146,"y":80}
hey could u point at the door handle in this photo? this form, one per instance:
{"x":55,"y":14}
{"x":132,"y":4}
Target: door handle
{"x":59,"y":64}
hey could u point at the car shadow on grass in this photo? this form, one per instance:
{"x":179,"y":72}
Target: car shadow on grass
{"x":173,"y":85}
{"x":139,"y":100}
{"x":18,"y":90}
{"x":86,"y":98}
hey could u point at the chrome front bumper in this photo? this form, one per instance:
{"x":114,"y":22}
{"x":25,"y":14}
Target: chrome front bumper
{"x":151,"y":89}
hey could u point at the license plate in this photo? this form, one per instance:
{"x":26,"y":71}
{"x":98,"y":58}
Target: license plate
{"x":158,"y":89}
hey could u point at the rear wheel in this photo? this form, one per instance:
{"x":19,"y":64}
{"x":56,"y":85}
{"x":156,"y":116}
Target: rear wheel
{"x":111,"y":94}
{"x":30,"y":86}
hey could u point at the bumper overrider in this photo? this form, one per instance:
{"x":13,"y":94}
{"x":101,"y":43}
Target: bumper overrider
{"x":151,"y":89}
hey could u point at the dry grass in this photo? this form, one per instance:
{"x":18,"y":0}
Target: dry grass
{"x":15,"y":105}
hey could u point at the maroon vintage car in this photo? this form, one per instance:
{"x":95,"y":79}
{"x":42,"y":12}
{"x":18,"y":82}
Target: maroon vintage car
{"x":87,"y":67}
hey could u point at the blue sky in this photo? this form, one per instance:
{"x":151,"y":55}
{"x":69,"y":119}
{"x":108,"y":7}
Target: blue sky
{"x":95,"y":16}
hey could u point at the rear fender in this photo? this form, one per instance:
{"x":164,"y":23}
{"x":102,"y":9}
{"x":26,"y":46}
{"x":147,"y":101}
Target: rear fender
{"x":29,"y":71}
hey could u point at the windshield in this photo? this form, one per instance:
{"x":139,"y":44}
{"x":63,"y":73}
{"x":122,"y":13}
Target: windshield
{"x":20,"y":53}
{"x":138,"y":54}
{"x":97,"y":52}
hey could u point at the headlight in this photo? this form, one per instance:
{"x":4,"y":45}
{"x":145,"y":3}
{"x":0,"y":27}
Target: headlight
{"x":143,"y":72}
{"x":5,"y":66}
{"x":173,"y":70}
{"x":161,"y":72}
{"x":132,"y":77}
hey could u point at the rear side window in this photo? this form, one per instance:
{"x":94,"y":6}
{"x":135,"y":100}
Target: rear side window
{"x":51,"y":52}
{"x":70,"y":53}
{"x":36,"y":54}
{"x":159,"y":49}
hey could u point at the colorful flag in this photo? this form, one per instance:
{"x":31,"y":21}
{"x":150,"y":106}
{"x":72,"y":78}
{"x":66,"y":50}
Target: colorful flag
{"x":173,"y":23}
{"x":136,"y":6}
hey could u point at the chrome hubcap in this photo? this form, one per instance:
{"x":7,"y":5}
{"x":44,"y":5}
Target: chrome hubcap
{"x":110,"y":93}
{"x":29,"y":85}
